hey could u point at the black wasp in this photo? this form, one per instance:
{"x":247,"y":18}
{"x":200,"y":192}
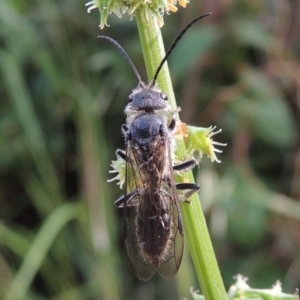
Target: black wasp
{"x":153,"y":226}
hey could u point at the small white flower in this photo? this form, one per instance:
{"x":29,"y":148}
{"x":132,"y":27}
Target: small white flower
{"x":119,"y":167}
{"x":92,"y":5}
{"x":214,"y":143}
{"x":120,"y":7}
{"x":200,"y":141}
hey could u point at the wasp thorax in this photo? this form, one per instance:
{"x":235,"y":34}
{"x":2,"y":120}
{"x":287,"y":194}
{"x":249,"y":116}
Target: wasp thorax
{"x":148,"y":141}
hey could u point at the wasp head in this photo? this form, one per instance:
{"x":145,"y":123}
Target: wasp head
{"x":147,"y":98}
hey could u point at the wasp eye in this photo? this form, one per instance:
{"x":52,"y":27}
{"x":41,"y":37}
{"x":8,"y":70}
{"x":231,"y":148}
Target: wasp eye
{"x":130,"y":98}
{"x":163,"y":96}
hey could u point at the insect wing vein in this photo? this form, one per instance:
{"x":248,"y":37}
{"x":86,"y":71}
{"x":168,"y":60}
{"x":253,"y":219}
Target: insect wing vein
{"x":173,"y":256}
{"x":135,"y":181}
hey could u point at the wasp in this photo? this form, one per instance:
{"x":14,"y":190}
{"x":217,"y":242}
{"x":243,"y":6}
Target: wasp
{"x":153,"y":228}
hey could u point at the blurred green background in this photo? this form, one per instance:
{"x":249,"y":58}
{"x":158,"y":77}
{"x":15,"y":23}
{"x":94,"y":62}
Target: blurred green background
{"x":62,"y":98}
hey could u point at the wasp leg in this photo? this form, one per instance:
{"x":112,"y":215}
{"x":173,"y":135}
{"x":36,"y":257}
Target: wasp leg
{"x":163,"y":192}
{"x":120,"y":153}
{"x":185,"y":166}
{"x":124,"y":130}
{"x":190,"y":189}
{"x":172,"y":125}
{"x":131,"y":199}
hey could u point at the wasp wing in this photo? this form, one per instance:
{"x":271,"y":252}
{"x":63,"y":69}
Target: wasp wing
{"x":172,"y":260}
{"x":152,"y":221}
{"x":134,"y":181}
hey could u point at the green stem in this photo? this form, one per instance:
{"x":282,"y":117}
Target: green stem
{"x":194,"y":221}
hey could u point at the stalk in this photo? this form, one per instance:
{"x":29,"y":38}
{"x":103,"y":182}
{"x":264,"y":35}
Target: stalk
{"x":195,"y":226}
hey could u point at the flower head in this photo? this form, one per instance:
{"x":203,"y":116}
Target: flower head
{"x":200,"y":141}
{"x":125,"y":174}
{"x":181,"y":130}
{"x":241,"y":290}
{"x":119,"y":167}
{"x":120,"y":7}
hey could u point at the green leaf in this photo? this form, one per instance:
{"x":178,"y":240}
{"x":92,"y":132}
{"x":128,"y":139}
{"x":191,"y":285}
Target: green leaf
{"x":39,"y":248}
{"x":197,"y":42}
{"x":264,"y":110}
{"x":251,"y":33}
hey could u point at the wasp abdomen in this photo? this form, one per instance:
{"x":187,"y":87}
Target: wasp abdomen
{"x":154,"y":229}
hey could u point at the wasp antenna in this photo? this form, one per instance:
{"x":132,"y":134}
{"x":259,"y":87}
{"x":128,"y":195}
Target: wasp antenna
{"x":174,"y":45}
{"x":125,"y":55}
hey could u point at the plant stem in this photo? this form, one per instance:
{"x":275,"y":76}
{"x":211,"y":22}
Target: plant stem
{"x":194,"y":221}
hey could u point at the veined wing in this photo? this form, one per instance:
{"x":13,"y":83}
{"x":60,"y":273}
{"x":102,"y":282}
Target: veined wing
{"x":152,"y":218}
